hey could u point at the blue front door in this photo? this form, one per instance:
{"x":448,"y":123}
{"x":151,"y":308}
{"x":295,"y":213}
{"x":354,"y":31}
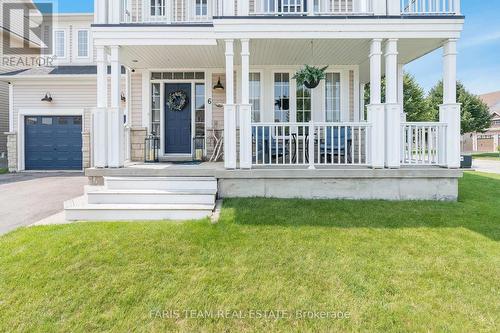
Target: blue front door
{"x":178,"y":122}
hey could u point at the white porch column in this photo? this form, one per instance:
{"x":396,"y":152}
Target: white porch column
{"x":243,"y":7}
{"x":376,"y":109}
{"x":392,"y":107}
{"x":115,"y":11}
{"x":401,"y":93}
{"x":245,"y":108}
{"x":100,"y":12}
{"x":394,"y":7}
{"x":310,"y":7}
{"x":99,"y":114}
{"x":230,"y":110}
{"x":115,"y":114}
{"x":228,"y":8}
{"x":449,"y":111}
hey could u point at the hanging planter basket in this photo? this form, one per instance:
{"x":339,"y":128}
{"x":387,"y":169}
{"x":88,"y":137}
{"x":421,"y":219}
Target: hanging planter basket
{"x":310,"y":76}
{"x":311,"y":85}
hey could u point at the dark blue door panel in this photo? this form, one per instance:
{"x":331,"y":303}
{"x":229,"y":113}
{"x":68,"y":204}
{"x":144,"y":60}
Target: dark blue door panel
{"x":53,"y":143}
{"x":178,"y":123}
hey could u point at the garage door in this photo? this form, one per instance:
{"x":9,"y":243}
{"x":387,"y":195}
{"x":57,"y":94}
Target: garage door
{"x":53,"y":143}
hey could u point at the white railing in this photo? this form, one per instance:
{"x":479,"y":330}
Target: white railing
{"x":430,"y":7}
{"x":169,"y":11}
{"x":422,"y":143}
{"x":319,"y":7}
{"x":302,"y":144}
{"x":279,"y":7}
{"x":343,"y":7}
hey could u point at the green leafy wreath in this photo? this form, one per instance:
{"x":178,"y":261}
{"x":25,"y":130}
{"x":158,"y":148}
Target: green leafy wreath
{"x":177,"y":101}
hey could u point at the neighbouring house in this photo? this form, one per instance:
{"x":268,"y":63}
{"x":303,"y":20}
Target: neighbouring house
{"x":173,"y":82}
{"x":488,"y":141}
{"x":11,"y":36}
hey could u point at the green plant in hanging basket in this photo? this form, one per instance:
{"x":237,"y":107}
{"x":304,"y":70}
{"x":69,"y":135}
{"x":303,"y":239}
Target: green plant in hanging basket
{"x":310,"y":76}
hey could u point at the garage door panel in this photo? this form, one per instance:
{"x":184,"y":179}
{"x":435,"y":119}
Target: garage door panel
{"x":53,"y":143}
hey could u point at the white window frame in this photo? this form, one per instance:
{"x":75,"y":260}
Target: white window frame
{"x":163,"y":82}
{"x":341,"y":95}
{"x":77,"y":44}
{"x":261,"y":94}
{"x":65,"y":46}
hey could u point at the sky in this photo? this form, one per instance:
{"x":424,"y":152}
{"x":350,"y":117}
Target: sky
{"x":479,"y":47}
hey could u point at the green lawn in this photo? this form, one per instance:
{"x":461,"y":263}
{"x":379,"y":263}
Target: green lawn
{"x":3,"y":170}
{"x":487,"y":156}
{"x":406,"y":266}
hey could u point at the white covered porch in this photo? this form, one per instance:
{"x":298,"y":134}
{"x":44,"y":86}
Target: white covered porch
{"x":270,"y":122}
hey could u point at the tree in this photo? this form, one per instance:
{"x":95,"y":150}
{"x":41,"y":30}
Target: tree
{"x":475,"y":114}
{"x":415,"y":104}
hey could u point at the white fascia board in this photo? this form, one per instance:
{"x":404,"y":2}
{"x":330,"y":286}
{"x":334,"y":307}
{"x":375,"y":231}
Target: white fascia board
{"x":28,"y":79}
{"x":336,"y":28}
{"x":140,"y":35}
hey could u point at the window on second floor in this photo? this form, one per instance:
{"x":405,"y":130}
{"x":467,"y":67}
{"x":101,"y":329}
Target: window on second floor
{"x":158,"y":7}
{"x":83,"y":43}
{"x":201,"y":7}
{"x":60,"y":43}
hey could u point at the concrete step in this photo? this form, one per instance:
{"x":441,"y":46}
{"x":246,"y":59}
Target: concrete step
{"x":193,"y":197}
{"x":79,"y":209}
{"x":161,"y":183}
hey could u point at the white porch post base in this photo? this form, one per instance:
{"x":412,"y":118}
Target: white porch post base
{"x":245,"y":136}
{"x":449,"y":114}
{"x":393,"y":136}
{"x":99,"y":137}
{"x":115,"y":138}
{"x":230,"y":136}
{"x":376,"y":117}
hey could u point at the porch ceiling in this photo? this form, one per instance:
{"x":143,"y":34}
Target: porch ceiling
{"x":263,"y":52}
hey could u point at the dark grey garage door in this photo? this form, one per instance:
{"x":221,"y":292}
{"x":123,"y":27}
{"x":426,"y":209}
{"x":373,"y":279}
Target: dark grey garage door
{"x":53,"y":143}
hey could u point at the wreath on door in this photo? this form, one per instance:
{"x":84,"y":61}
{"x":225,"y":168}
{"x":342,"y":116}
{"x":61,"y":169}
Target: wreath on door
{"x":177,"y":101}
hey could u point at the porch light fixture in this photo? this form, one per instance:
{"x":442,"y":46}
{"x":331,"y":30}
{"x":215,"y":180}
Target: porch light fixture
{"x":123,"y":98}
{"x":219,"y":85}
{"x":47,"y":98}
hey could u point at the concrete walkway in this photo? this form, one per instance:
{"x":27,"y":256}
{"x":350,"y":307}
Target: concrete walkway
{"x":26,"y":198}
{"x":486,"y":166}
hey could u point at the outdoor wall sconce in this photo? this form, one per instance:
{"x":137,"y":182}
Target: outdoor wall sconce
{"x":47,"y":98}
{"x":123,"y":98}
{"x":219,"y":85}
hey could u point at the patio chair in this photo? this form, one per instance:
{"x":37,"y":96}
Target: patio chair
{"x":266,"y":145}
{"x":335,"y":145}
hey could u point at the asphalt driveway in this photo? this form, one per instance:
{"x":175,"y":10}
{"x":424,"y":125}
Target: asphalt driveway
{"x":26,"y":198}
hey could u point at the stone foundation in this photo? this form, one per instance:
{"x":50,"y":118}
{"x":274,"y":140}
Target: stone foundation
{"x":137,"y":145}
{"x":12,"y":151}
{"x":86,"y":150}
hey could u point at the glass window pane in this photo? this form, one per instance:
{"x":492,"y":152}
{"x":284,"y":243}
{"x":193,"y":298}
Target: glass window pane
{"x":47,"y":120}
{"x":332,"y":97}
{"x":31,"y":120}
{"x":281,"y":97}
{"x":60,"y":44}
{"x":156,"y":76}
{"x":83,"y":43}
{"x":77,"y":120}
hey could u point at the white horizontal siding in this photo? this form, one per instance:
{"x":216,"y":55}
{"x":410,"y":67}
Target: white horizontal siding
{"x":136,"y":100}
{"x":66,"y":96}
